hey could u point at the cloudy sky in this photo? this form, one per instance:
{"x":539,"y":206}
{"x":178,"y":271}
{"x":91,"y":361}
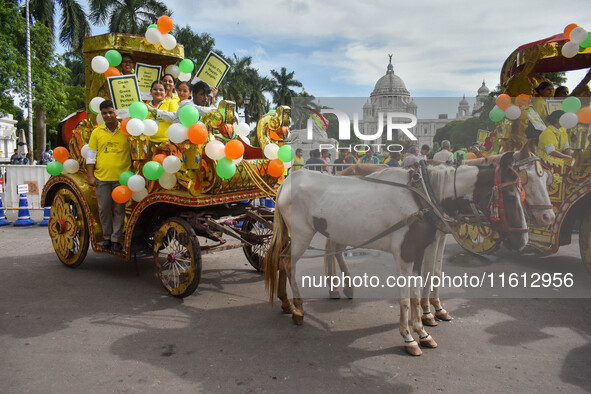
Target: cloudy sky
{"x":340,"y":48}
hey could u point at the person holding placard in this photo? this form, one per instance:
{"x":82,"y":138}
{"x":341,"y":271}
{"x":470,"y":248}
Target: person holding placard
{"x":162,"y":110}
{"x":109,"y":154}
{"x":201,"y":93}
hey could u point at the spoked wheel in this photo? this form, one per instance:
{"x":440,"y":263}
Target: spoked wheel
{"x":68,"y":228}
{"x":585,"y":240}
{"x":178,"y":257}
{"x":479,"y":240}
{"x":255,"y":253}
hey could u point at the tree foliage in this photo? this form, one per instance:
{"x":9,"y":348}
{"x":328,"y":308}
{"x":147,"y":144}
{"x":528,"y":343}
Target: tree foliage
{"x":127,"y":16}
{"x":73,"y":22}
{"x":282,"y":84}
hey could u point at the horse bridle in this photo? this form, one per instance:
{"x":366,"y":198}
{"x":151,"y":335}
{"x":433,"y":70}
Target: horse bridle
{"x":521,"y":166}
{"x":497,"y":203}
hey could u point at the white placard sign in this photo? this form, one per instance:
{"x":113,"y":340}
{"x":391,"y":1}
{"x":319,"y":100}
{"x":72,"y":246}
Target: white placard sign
{"x":20,"y":189}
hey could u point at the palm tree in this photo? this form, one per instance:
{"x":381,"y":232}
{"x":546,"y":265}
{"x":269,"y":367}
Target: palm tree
{"x":197,"y":46}
{"x":283,"y":81}
{"x":74,"y":24}
{"x":127,"y":16}
{"x":236,"y":83}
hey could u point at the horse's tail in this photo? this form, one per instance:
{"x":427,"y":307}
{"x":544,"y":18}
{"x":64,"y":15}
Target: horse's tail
{"x":279,"y":246}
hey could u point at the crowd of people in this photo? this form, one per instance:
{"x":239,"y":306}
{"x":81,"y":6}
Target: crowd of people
{"x":18,"y":158}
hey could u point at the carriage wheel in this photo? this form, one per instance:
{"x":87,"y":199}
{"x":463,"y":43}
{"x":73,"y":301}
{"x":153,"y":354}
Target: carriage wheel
{"x":256,"y":253}
{"x":178,"y":257}
{"x":585,"y":240}
{"x":479,"y":240}
{"x":68,"y":228}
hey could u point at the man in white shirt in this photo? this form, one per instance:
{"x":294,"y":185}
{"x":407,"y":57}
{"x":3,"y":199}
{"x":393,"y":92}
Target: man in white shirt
{"x":424,"y":152}
{"x":445,"y":155}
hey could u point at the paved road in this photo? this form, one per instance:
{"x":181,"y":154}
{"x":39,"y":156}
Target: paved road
{"x":101,"y":328}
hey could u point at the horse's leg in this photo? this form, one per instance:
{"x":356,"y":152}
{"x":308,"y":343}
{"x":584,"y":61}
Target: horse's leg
{"x":348,"y":285}
{"x":440,"y":313}
{"x":427,"y":273}
{"x":404,"y":268}
{"x":286,"y":305}
{"x":330,"y":266}
{"x":297,"y":250}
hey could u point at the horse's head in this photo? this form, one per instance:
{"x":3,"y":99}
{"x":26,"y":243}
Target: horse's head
{"x":535,"y":180}
{"x":506,"y":209}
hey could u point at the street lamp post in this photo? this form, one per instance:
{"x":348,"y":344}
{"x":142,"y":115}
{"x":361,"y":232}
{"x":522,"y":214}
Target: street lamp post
{"x":246,"y":102}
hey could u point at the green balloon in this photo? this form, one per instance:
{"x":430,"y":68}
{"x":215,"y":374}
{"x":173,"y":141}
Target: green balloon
{"x":124,"y":177}
{"x":587,"y":42}
{"x":153,"y":170}
{"x":188,"y":115}
{"x":138,"y":110}
{"x":55,"y":168}
{"x":571,"y":104}
{"x":285,"y":153}
{"x":225,"y":168}
{"x":186,"y":66}
{"x":496,"y":114}
{"x":113,"y":57}
{"x":459,"y":153}
{"x":154,"y":26}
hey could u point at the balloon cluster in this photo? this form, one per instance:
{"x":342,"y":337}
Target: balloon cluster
{"x":107,"y":64}
{"x":576,"y":37}
{"x":62,"y":162}
{"x":230,"y":154}
{"x":506,"y":109}
{"x":573,"y":113}
{"x":137,"y":124}
{"x":160,"y":33}
{"x":183,"y":71}
{"x":281,"y":158}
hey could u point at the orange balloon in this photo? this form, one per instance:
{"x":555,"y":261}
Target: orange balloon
{"x":584,"y":115}
{"x":504,"y":101}
{"x":275,"y":168}
{"x":522,"y":100}
{"x":121,"y":194}
{"x":112,"y":72}
{"x":568,"y":29}
{"x":164,"y":24}
{"x":61,"y":154}
{"x":159,"y":158}
{"x":197,"y":134}
{"x":234,"y":150}
{"x":123,"y":125}
{"x":471,"y":155}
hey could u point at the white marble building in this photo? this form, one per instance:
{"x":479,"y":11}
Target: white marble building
{"x":8,"y":138}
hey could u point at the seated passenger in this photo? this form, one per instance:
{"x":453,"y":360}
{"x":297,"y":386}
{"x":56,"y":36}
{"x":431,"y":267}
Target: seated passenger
{"x":184,"y":92}
{"x":168,"y":81}
{"x":163,"y":111}
{"x":545,"y":90}
{"x":554,"y":140}
{"x":127,"y":64}
{"x":201,"y":92}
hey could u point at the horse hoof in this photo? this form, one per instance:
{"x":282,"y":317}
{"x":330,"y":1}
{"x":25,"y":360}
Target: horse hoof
{"x":413,"y":349}
{"x":443,"y":315}
{"x":297,"y":319}
{"x":428,"y":342}
{"x":348,"y":292}
{"x":429,"y":321}
{"x":334,"y":294}
{"x":286,"y":309}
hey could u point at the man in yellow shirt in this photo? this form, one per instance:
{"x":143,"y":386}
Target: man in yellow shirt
{"x":109,"y":155}
{"x":298,"y":161}
{"x":554,"y":140}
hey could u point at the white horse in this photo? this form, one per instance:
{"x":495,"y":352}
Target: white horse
{"x":309,"y":202}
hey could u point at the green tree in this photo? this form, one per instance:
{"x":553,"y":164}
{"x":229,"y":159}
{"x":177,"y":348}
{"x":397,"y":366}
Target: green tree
{"x":283,"y":82}
{"x":197,"y":46}
{"x":73,"y":22}
{"x":127,"y":16}
{"x":74,"y":61}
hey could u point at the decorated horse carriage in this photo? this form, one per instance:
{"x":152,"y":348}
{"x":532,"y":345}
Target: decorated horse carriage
{"x":570,"y":187}
{"x":168,"y":219}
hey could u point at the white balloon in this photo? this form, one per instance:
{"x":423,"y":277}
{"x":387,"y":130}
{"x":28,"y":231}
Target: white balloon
{"x":136,"y":183}
{"x":513,"y":112}
{"x":99,"y":64}
{"x":95,"y":104}
{"x":238,"y":160}
{"x":153,"y":36}
{"x":178,"y":133}
{"x":150,"y":127}
{"x":578,"y":35}
{"x":139,"y":196}
{"x":135,"y":127}
{"x":84,"y":150}
{"x":167,"y":180}
{"x":569,"y":120}
{"x":100,"y":120}
{"x":271,"y":151}
{"x":173,"y":70}
{"x":215,"y":150}
{"x":171,"y":164}
{"x":570,"y":49}
{"x":242,"y":129}
{"x":168,"y":41}
{"x":71,"y":166}
{"x":184,"y":77}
